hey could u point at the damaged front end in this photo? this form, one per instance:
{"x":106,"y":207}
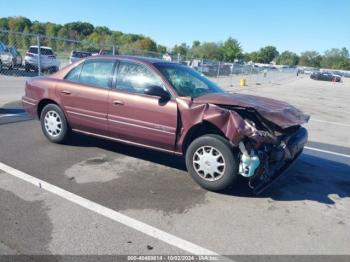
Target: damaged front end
{"x":265,"y":164}
{"x":269,"y":138}
{"x":267,"y":149}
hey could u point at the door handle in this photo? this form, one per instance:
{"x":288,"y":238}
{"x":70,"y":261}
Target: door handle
{"x":66,"y":92}
{"x":118,"y":102}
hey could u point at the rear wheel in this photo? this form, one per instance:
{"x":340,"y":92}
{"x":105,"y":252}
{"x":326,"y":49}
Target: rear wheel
{"x":54,"y":124}
{"x":211,"y":161}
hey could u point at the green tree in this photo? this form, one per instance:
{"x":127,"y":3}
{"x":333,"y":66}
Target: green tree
{"x":267,"y":54}
{"x":146,"y":44}
{"x":253,"y":56}
{"x":4,"y":23}
{"x":182,"y":49}
{"x":232,"y":50}
{"x":81,"y":29}
{"x":196,"y":43}
{"x":310,"y":58}
{"x":17,"y":24}
{"x":287,"y":58}
{"x":208,"y":50}
{"x":162,"y":49}
{"x":26,"y":38}
{"x":335,"y":58}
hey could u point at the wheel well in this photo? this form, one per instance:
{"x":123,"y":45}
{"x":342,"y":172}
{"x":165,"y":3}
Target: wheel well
{"x":42,"y":104}
{"x":204,"y":128}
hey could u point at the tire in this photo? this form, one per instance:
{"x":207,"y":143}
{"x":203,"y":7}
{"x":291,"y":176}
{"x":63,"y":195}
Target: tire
{"x":0,"y":66}
{"x":225,"y":165}
{"x":54,"y":124}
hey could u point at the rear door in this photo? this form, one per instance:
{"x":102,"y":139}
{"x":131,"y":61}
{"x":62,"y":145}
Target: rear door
{"x":84,"y":95}
{"x":139,"y":118}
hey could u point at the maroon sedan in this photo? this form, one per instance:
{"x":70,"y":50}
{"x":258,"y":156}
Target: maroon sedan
{"x":170,"y":107}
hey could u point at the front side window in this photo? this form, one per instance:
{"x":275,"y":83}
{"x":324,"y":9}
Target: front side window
{"x":186,"y":81}
{"x":97,"y":73}
{"x":134,"y":78}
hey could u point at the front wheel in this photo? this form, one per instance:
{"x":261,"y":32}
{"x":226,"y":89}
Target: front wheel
{"x":54,"y":124}
{"x":211,"y":161}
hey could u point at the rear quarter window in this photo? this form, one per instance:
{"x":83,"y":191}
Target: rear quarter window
{"x":74,"y":74}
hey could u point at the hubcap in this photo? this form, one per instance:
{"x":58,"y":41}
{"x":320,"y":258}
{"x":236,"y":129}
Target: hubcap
{"x":209,"y":163}
{"x":53,"y":123}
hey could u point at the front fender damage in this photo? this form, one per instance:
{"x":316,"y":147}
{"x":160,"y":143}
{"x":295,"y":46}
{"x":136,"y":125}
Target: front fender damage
{"x":229,"y":122}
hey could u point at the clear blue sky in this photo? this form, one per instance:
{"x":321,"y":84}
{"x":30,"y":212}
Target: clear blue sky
{"x":295,"y":25}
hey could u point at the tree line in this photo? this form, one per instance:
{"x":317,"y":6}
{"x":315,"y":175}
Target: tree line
{"x":228,"y":51}
{"x":93,"y":36}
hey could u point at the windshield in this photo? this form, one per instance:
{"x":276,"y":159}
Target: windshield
{"x":186,"y":81}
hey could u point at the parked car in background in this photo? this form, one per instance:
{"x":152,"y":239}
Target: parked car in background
{"x":104,"y":52}
{"x":326,"y":76}
{"x":77,"y":55}
{"x":172,"y":108}
{"x":3,"y":54}
{"x":10,"y":58}
{"x":48,"y":60}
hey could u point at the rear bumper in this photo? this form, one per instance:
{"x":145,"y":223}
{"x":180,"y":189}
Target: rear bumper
{"x":33,"y":62}
{"x":268,"y":172}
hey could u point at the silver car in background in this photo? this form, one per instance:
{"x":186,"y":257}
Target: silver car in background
{"x":48,"y":60}
{"x":11,"y":58}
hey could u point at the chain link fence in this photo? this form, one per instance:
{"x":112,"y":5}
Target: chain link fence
{"x":26,"y":55}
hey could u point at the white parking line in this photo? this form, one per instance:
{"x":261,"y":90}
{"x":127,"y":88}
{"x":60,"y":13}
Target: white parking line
{"x":330,"y":122}
{"x":109,"y":213}
{"x":327,"y":152}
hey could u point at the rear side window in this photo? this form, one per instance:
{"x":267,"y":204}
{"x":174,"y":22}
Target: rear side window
{"x":33,"y":50}
{"x":74,"y":74}
{"x":97,"y":73}
{"x":43,"y":51}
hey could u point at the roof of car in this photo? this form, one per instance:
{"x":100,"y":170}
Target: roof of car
{"x":148,"y":60}
{"x":35,"y":46}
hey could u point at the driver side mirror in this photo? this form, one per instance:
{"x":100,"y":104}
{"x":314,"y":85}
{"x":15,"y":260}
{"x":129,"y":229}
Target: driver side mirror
{"x":157,"y":91}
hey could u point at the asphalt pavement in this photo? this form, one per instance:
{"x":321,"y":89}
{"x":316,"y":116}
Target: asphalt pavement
{"x":121,"y":193}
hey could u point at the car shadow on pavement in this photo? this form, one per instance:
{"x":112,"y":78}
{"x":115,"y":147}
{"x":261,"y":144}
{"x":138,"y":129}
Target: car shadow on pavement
{"x":310,"y":178}
{"x":157,"y":157}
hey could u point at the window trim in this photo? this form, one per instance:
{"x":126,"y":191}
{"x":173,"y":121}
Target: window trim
{"x":115,"y":83}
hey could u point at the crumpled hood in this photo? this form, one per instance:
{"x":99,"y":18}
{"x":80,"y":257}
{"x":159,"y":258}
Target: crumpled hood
{"x":278,"y":112}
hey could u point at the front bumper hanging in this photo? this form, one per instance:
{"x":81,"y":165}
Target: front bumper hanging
{"x":269,"y":171}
